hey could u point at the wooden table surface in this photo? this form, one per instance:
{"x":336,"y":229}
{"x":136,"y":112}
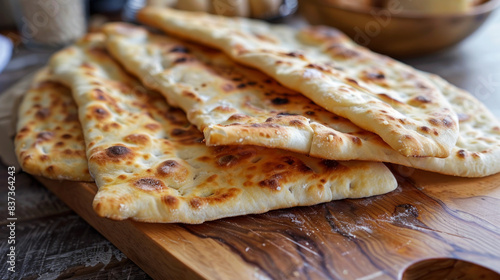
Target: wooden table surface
{"x":55,"y":243}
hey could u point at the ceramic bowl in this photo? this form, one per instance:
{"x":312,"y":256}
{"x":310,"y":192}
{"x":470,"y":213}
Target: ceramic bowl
{"x":397,"y":33}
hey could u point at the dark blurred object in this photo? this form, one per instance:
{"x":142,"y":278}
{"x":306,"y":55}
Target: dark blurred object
{"x":397,"y":33}
{"x":6,"y":17}
{"x":106,"y":6}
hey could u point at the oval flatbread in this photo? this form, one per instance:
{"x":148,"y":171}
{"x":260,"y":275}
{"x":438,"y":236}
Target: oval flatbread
{"x":49,"y":140}
{"x":375,"y":92}
{"x":235,"y":105}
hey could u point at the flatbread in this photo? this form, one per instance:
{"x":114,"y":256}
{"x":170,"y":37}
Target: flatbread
{"x":235,"y":105}
{"x":375,"y":92}
{"x":49,"y":140}
{"x":477,"y":152}
{"x":150,"y":164}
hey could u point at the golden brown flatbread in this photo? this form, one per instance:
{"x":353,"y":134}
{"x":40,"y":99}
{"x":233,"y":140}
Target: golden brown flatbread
{"x":235,"y":105}
{"x":150,"y":164}
{"x":49,"y":140}
{"x":375,"y":92}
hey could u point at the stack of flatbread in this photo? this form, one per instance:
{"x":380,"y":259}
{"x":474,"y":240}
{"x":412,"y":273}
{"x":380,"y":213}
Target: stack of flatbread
{"x":226,"y":116}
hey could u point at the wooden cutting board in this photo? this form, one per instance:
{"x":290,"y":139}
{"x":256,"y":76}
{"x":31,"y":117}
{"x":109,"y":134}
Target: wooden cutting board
{"x":429,"y":216}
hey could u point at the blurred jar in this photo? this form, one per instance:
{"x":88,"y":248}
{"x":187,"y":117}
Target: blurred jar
{"x":261,"y":9}
{"x":50,"y":23}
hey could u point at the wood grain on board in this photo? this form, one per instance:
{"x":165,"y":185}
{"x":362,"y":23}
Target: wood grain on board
{"x":428,"y":216}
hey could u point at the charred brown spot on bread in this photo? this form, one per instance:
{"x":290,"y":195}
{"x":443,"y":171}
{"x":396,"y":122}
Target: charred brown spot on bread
{"x":99,"y":94}
{"x":44,"y":136}
{"x":374,"y":76}
{"x":352,"y":81}
{"x":42,"y":113}
{"x":179,"y":132}
{"x":220,"y":196}
{"x":322,"y":34}
{"x":229,"y":156}
{"x":476,"y":155}
{"x":240,"y":49}
{"x":241,"y":86}
{"x":228,"y":87}
{"x":67,"y":136}
{"x":170,"y":201}
{"x":295,"y":54}
{"x":356,"y":140}
{"x":296,"y":164}
{"x":149,"y":184}
{"x":296,"y":123}
{"x":224,"y":109}
{"x":227,"y":160}
{"x":204,"y":158}
{"x":447,"y":122}
{"x":263,"y":37}
{"x":195,"y":203}
{"x":99,"y":113}
{"x":272,"y":183}
{"x":152,"y":126}
{"x":280,"y":101}
{"x":421,"y":85}
{"x":310,"y":113}
{"x":340,"y":51}
{"x":212,"y":178}
{"x":281,"y":114}
{"x":87,"y":65}
{"x":50,"y":169}
{"x":136,"y":138}
{"x":191,"y":95}
{"x":122,"y":177}
{"x":71,"y":117}
{"x":330,"y":164}
{"x":422,"y":99}
{"x":237,"y":117}
{"x":181,"y":60}
{"x":43,"y":157}
{"x":110,"y":126}
{"x":118,"y":151}
{"x":261,"y":125}
{"x":99,"y":51}
{"x":462,"y":154}
{"x":59,"y":144}
{"x":385,"y":97}
{"x":179,"y":49}
{"x":425,"y":129}
{"x":168,"y":167}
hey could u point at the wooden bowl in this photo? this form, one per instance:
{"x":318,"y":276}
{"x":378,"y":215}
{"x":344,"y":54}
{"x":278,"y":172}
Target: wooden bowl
{"x":396,"y":33}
